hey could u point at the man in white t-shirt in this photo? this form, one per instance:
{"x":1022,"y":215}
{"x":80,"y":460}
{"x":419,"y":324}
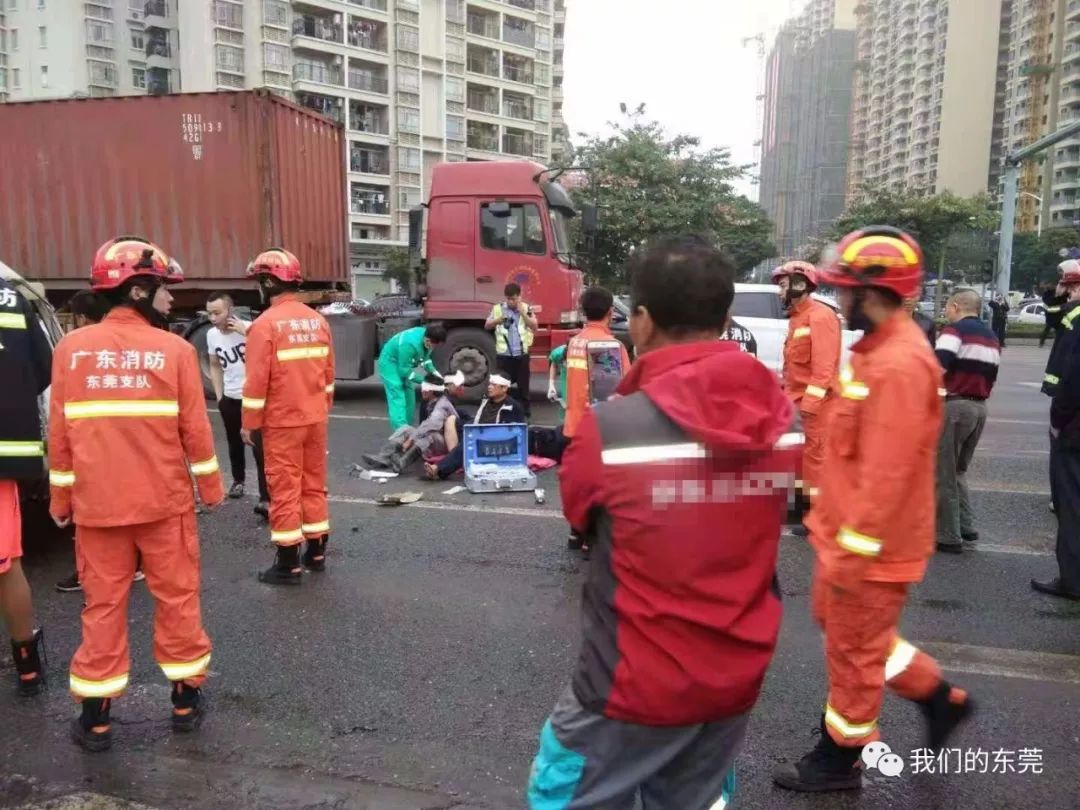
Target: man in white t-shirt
{"x":226,"y":344}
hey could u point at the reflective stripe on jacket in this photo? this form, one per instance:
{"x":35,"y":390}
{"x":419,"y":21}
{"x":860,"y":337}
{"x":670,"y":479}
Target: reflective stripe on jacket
{"x":24,"y":368}
{"x":811,"y":354}
{"x":128,"y":428}
{"x":290,"y":367}
{"x":577,"y":372}
{"x":502,"y":334}
{"x":874,"y":516}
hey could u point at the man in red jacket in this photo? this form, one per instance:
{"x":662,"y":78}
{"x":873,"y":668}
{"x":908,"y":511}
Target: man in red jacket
{"x":679,"y":484}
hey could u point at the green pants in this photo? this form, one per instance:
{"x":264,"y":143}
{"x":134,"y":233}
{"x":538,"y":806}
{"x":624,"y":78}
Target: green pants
{"x":400,"y":397}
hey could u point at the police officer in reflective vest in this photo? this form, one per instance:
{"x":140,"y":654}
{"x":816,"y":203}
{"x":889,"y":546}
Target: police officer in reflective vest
{"x":24,"y":368}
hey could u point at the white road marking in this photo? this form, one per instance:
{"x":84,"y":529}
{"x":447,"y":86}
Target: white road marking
{"x":1040,"y":422}
{"x":997,"y":548}
{"x":1003,"y":490}
{"x":1030,"y":384}
{"x":1026,"y":665}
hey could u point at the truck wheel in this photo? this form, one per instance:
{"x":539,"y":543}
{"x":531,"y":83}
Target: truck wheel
{"x":471,"y":351}
{"x":197,"y":338}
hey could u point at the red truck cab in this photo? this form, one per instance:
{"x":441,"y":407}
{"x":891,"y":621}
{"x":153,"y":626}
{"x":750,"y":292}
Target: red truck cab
{"x":489,"y":224}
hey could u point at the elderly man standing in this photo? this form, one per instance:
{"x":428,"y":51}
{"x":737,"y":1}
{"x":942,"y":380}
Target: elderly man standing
{"x":970,"y":354}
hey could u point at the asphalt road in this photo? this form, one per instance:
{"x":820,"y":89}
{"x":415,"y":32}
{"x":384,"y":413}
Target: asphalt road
{"x":417,"y":671}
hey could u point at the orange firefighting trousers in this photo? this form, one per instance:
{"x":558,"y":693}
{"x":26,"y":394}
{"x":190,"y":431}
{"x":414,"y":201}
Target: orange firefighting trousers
{"x":814,"y":428}
{"x":295,"y":461}
{"x":864,"y":653}
{"x":106,"y":560}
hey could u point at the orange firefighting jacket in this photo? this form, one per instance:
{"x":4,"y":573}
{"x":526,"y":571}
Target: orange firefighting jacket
{"x":577,"y":373}
{"x":126,"y":419}
{"x":874,"y":517}
{"x":290,"y":367}
{"x":811,"y":354}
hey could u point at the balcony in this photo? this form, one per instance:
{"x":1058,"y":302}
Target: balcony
{"x":365,"y":199}
{"x":156,"y":12}
{"x":376,"y":5}
{"x":482,"y":137}
{"x":159,"y":47}
{"x":369,"y":118}
{"x":517,"y":106}
{"x":318,"y":73}
{"x":368,"y":161}
{"x":321,"y":28}
{"x":483,"y":61}
{"x":528,"y":5}
{"x":368,"y":80}
{"x":517,"y":68}
{"x":518,"y":32}
{"x":482,"y":23}
{"x":324,"y":105}
{"x":367,"y":34}
{"x":482,"y":99}
{"x":518,"y":143}
{"x":158,"y":82}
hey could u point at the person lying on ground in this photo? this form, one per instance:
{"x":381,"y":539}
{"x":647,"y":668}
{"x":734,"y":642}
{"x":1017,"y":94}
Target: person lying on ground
{"x":498,"y":408}
{"x":436,"y":435}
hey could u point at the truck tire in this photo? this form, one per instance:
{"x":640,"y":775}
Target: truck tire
{"x":197,"y":338}
{"x":471,"y":350}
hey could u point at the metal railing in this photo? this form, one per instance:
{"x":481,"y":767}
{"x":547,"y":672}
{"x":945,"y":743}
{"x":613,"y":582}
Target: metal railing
{"x":366,"y":35}
{"x":366,"y":161}
{"x":362,"y":80}
{"x":317,"y":28}
{"x":485,"y":143}
{"x":368,"y":205}
{"x":483,"y":102}
{"x":369,"y":122}
{"x":378,"y":5}
{"x":519,"y":36}
{"x":483,"y":65}
{"x":483,"y":26}
{"x":517,"y":144}
{"x":156,"y":8}
{"x":526,"y":4}
{"x":517,"y":74}
{"x":308,"y":71}
{"x":517,"y":109}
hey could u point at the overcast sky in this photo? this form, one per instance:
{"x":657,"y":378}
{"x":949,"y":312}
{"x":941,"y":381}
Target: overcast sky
{"x":683,"y":58}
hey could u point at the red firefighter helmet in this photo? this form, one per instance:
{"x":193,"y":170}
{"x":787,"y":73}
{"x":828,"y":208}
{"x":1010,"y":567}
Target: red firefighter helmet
{"x":804,"y":269}
{"x":876,"y":256}
{"x":126,"y":257}
{"x":276,"y":262}
{"x":1070,"y":272}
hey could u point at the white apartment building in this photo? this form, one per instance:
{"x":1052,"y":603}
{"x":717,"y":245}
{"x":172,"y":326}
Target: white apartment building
{"x":925,"y":94}
{"x":414,"y":82}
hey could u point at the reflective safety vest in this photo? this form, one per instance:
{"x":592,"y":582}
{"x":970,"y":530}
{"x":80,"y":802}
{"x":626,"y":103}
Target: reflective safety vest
{"x":502,"y":333}
{"x":25,"y":360}
{"x":1065,"y":335}
{"x":128,"y":429}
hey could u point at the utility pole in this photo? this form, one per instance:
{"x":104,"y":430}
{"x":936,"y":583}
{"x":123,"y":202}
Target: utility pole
{"x":1011,"y":191}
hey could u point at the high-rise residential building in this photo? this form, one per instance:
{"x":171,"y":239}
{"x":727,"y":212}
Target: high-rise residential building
{"x":925,"y":95}
{"x":806,"y":123}
{"x":561,"y":151}
{"x":414,"y":82}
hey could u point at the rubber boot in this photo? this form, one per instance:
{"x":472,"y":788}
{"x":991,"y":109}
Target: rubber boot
{"x":92,"y":730}
{"x":944,"y":710}
{"x":187,"y":711}
{"x":826,"y":767}
{"x":28,"y":666}
{"x":315,"y":554}
{"x":286,"y":569}
{"x":402,"y":461}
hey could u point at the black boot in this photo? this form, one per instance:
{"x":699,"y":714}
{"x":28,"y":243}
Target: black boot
{"x":187,"y":710}
{"x":315,"y":554}
{"x":944,"y":710}
{"x":28,"y":666}
{"x":92,"y":730}
{"x":286,"y":569}
{"x":826,"y":767}
{"x":574,"y":541}
{"x":402,"y":461}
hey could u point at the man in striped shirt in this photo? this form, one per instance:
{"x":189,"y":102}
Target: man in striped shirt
{"x":970,"y":354}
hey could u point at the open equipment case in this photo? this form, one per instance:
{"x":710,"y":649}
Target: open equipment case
{"x":497,"y":458}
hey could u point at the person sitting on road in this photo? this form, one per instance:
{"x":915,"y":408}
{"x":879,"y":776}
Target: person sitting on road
{"x":436,"y":434}
{"x":498,"y":408}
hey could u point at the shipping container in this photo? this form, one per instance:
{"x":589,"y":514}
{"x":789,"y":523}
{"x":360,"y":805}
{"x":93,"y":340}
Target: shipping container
{"x":213,"y":178}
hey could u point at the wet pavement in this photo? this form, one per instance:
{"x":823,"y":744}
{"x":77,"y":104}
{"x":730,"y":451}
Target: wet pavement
{"x":417,"y":671}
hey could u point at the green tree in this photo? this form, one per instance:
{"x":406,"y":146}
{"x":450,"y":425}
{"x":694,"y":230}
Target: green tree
{"x":943,"y":224}
{"x":397,"y":267}
{"x":648,"y":185}
{"x":1035,"y":258}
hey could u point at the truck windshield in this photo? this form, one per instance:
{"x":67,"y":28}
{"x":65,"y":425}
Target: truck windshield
{"x":559,"y":228}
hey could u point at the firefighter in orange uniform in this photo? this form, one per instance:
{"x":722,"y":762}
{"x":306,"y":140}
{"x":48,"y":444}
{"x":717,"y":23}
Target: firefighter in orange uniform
{"x":287,"y":395}
{"x":811,"y":358}
{"x":872,"y":525}
{"x":127,"y":431}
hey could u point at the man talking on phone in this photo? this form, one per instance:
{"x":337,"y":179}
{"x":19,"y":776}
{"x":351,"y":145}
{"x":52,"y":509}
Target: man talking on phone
{"x":514,"y":324}
{"x":226,"y":345}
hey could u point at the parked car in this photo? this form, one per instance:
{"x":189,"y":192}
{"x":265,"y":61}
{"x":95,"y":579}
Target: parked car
{"x":620,"y":328}
{"x":758,"y":308}
{"x":1034,"y":313}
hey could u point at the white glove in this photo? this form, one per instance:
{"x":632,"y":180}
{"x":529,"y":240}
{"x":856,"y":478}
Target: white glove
{"x":553,"y":395}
